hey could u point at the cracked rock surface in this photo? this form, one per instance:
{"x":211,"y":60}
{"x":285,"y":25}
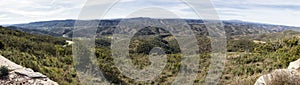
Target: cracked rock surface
{"x":19,"y":75}
{"x":289,"y":76}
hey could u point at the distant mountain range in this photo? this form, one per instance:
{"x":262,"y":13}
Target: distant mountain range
{"x":65,"y":28}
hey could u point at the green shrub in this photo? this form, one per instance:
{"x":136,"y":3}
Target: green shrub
{"x":291,"y":41}
{"x":41,"y":53}
{"x":3,"y":71}
{"x":242,"y":45}
{"x":2,"y":45}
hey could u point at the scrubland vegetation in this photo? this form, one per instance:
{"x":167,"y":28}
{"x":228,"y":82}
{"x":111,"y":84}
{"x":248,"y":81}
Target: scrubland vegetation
{"x":246,"y":60}
{"x":44,"y":54}
{"x":4,"y":71}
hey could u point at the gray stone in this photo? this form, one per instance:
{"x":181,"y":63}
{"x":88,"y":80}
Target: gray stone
{"x":22,"y":75}
{"x":30,"y":74}
{"x":291,"y":73}
{"x":9,"y":64}
{"x":295,"y":65}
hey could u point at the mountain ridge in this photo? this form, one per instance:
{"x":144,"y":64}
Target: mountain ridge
{"x":233,"y":20}
{"x":107,"y":26}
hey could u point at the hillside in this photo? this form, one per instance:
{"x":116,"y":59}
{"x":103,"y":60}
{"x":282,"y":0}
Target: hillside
{"x":44,"y":54}
{"x":107,"y":27}
{"x":246,"y":59}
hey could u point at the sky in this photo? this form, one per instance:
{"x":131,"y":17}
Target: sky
{"x":279,"y":12}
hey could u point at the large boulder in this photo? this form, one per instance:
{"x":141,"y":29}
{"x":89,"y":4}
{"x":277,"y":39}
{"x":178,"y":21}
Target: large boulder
{"x":19,"y":75}
{"x":295,"y":65}
{"x":9,"y":64}
{"x":279,"y":77}
{"x":289,"y":76}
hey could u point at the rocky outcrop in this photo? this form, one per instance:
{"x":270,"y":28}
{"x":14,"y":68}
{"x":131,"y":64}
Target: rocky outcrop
{"x":295,"y":65}
{"x":19,"y":75}
{"x":289,"y":76}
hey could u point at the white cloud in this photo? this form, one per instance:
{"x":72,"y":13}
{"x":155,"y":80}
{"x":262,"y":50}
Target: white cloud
{"x":156,"y":9}
{"x":104,"y":2}
{"x":283,"y":12}
{"x":21,"y":11}
{"x":4,"y":17}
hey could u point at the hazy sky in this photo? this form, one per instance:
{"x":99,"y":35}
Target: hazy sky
{"x":281,"y":12}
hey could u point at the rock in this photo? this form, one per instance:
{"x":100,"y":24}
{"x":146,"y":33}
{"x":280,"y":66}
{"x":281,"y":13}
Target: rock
{"x":261,"y":80}
{"x":23,"y":76}
{"x":290,"y":76}
{"x":279,"y":75}
{"x":295,"y":65}
{"x":69,"y":42}
{"x":9,"y":64}
{"x":29,"y":73}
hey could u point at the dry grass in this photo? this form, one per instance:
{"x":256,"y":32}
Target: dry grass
{"x":247,"y":81}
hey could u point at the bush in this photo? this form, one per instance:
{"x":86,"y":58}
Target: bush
{"x":4,"y":71}
{"x":242,"y":45}
{"x":291,"y":41}
{"x":2,"y":45}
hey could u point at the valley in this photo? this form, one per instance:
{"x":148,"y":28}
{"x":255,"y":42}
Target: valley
{"x":252,"y":50}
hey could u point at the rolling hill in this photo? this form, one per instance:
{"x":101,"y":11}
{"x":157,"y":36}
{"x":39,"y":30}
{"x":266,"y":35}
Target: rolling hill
{"x":253,"y":49}
{"x":107,"y":27}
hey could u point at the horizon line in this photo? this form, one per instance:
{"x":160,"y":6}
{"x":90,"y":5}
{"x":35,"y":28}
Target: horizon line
{"x":233,"y":20}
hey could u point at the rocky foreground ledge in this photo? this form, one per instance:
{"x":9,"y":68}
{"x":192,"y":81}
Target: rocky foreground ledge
{"x":19,"y":75}
{"x":289,"y":76}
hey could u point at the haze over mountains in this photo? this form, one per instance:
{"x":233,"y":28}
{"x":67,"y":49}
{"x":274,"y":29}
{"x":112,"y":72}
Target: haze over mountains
{"x":65,"y":28}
